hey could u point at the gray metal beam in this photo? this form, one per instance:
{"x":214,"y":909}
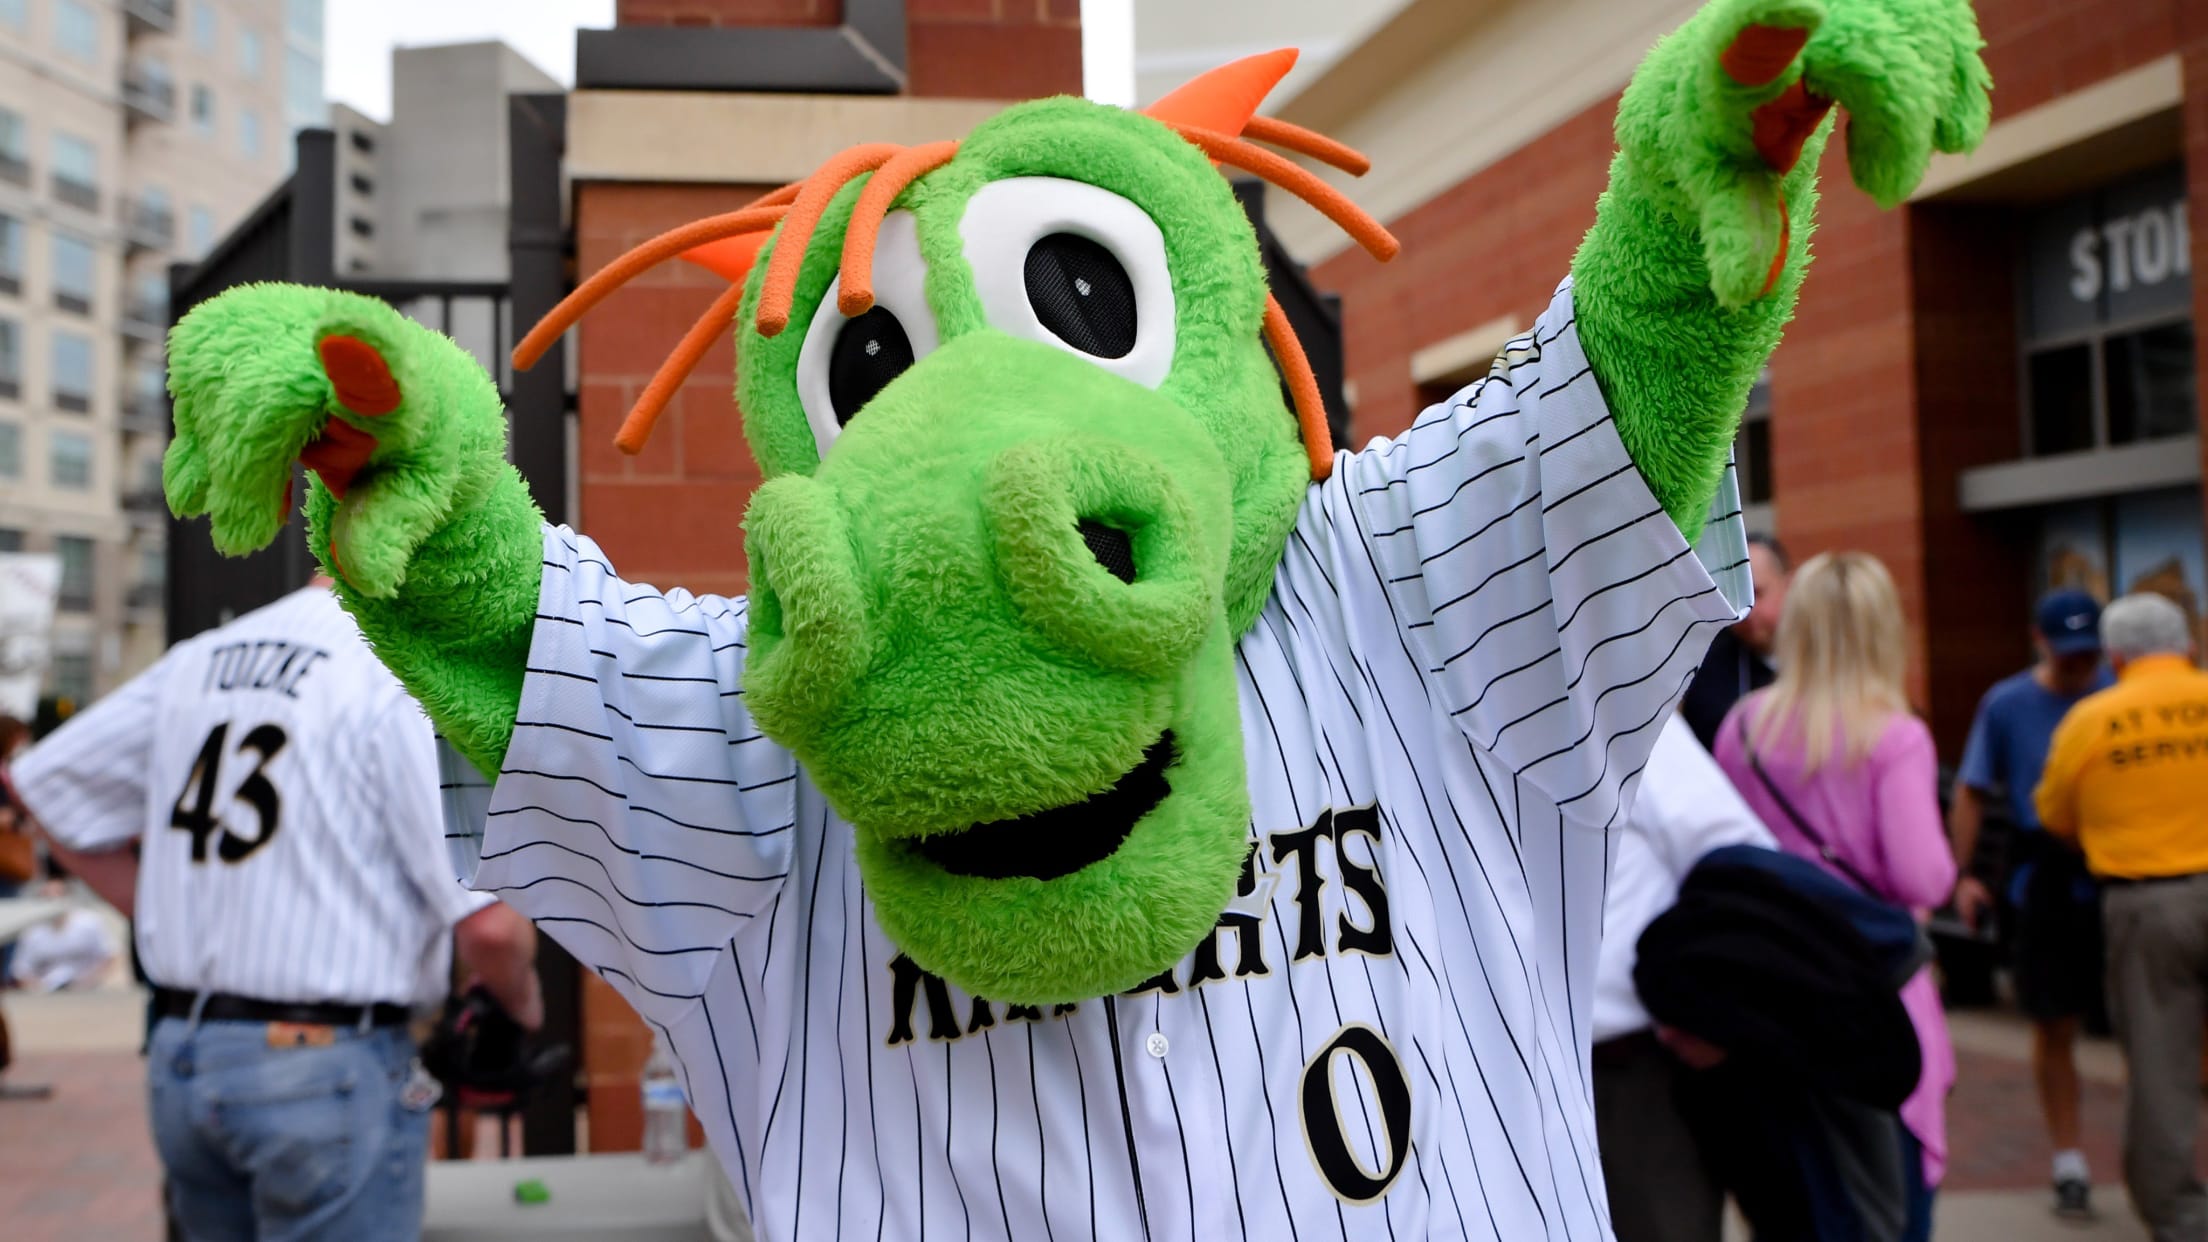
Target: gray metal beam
{"x":2173,"y":462}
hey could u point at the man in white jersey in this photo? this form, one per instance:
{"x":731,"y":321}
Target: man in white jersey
{"x":1113,"y":813}
{"x":1661,"y":1189}
{"x":263,"y":802}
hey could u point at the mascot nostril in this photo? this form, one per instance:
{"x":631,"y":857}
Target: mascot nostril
{"x":1111,"y":547}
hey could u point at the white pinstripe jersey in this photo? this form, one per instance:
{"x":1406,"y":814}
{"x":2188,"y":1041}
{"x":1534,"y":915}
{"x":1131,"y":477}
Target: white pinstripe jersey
{"x":1473,"y":638}
{"x":282,"y":788}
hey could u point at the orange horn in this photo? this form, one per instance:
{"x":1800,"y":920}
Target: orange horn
{"x":1223,"y":100}
{"x":729,"y":258}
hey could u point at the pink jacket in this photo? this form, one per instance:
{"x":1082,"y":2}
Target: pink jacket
{"x":1883,"y":816}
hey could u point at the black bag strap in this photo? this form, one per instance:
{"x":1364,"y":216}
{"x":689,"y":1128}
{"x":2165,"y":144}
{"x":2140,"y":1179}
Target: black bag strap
{"x":1824,"y":850}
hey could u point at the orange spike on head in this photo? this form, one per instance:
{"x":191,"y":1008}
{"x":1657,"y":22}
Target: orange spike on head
{"x":637,"y":427}
{"x":1224,"y":99}
{"x":1303,"y":389}
{"x":730,"y":258}
{"x":856,"y":285}
{"x":779,"y":292}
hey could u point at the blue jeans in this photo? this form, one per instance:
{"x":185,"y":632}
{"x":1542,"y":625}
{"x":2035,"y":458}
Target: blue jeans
{"x":1918,"y":1227}
{"x":269,"y":1144}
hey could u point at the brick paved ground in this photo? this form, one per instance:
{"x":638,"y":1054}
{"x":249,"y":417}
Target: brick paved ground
{"x":1995,"y":1138}
{"x":79,"y":1165}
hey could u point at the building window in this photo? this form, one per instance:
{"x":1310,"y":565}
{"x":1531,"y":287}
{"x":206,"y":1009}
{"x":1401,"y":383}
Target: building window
{"x":364,"y":142}
{"x":153,"y":565}
{"x":2106,"y":318}
{"x":249,"y":133}
{"x":362,"y":185}
{"x":11,"y":539}
{"x":11,"y":254}
{"x":150,"y":300}
{"x":249,"y":53}
{"x":75,"y":552}
{"x":1752,"y":448}
{"x":363,"y":227}
{"x":203,"y":26}
{"x":303,"y":101}
{"x":73,"y":273}
{"x":11,"y":359}
{"x":72,"y":371}
{"x":73,"y":672}
{"x":76,"y":172}
{"x":11,"y":451}
{"x":203,"y":109}
{"x":76,"y":31}
{"x":149,"y":388}
{"x":69,"y":456}
{"x":15,"y":147}
{"x":199,"y":230}
{"x":303,"y":21}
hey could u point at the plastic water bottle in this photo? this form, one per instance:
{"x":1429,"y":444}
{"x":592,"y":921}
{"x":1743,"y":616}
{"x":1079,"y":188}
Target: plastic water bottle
{"x":666,"y":1120}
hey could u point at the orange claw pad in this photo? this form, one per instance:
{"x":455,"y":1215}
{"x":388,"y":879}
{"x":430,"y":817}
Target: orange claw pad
{"x":1762,"y":53}
{"x":337,"y":455}
{"x":359,"y":374}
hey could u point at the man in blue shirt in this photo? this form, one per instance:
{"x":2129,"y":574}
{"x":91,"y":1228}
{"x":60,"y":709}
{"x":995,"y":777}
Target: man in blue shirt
{"x":2058,"y":941}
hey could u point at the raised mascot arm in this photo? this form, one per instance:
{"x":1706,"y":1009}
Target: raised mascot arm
{"x":414,"y":510}
{"x":1701,"y":242}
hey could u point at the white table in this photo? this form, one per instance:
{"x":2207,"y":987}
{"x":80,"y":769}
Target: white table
{"x":610,"y":1196}
{"x":20,"y":914}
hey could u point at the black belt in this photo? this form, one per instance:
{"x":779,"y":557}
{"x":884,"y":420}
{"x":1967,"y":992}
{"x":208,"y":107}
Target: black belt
{"x":223,"y":1007}
{"x":2141,"y":881}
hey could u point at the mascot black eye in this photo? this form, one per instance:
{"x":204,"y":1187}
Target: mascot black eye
{"x":1076,"y":267}
{"x":846,"y":361}
{"x":870,"y":351}
{"x":1082,"y":295}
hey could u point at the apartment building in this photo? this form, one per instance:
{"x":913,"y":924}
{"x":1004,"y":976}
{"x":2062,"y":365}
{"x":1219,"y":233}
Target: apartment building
{"x":133,"y":133}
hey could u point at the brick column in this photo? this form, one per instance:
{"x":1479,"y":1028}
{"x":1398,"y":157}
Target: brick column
{"x":2192,"y":35}
{"x":672,"y":516}
{"x":1844,"y":443}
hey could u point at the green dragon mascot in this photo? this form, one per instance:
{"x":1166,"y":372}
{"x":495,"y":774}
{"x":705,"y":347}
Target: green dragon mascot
{"x":1112,"y":812}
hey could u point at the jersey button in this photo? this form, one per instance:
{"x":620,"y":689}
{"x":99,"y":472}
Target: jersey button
{"x":1156,"y":1044}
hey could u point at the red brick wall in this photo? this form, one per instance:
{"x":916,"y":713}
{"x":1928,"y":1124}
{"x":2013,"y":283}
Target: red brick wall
{"x":693,"y":478}
{"x":672,"y":515}
{"x":993,"y":49}
{"x":1893,"y":377}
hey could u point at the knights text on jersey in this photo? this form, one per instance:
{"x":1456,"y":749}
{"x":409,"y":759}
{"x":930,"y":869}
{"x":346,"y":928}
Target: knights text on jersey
{"x":282,"y":788}
{"x":1474,"y":637}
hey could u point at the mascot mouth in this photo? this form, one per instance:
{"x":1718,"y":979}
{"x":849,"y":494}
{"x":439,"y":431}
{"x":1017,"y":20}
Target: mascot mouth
{"x":1059,"y":840}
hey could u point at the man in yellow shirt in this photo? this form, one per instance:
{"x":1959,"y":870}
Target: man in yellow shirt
{"x":2127,"y":779}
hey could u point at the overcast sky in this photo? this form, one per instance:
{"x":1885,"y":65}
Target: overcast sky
{"x":361,"y":33}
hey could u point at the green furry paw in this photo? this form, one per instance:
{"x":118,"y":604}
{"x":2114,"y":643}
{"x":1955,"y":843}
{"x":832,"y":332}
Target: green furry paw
{"x":1720,"y":117}
{"x":390,"y":416}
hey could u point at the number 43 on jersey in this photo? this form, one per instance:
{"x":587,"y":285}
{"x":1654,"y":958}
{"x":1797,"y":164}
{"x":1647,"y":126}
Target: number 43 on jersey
{"x":202,"y":820}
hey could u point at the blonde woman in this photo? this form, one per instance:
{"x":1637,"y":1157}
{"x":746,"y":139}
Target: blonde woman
{"x":1830,"y":757}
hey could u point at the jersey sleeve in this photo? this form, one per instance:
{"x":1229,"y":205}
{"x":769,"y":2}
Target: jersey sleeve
{"x":639,"y":818}
{"x":85,"y":783}
{"x":1554,"y":610}
{"x":1694,"y":808}
{"x":401,"y":765}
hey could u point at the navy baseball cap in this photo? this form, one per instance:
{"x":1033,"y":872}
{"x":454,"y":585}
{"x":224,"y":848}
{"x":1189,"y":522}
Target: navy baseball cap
{"x":2070,"y":622}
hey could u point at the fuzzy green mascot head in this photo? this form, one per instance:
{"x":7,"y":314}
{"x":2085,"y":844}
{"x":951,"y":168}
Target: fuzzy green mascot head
{"x":1029,"y":470}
